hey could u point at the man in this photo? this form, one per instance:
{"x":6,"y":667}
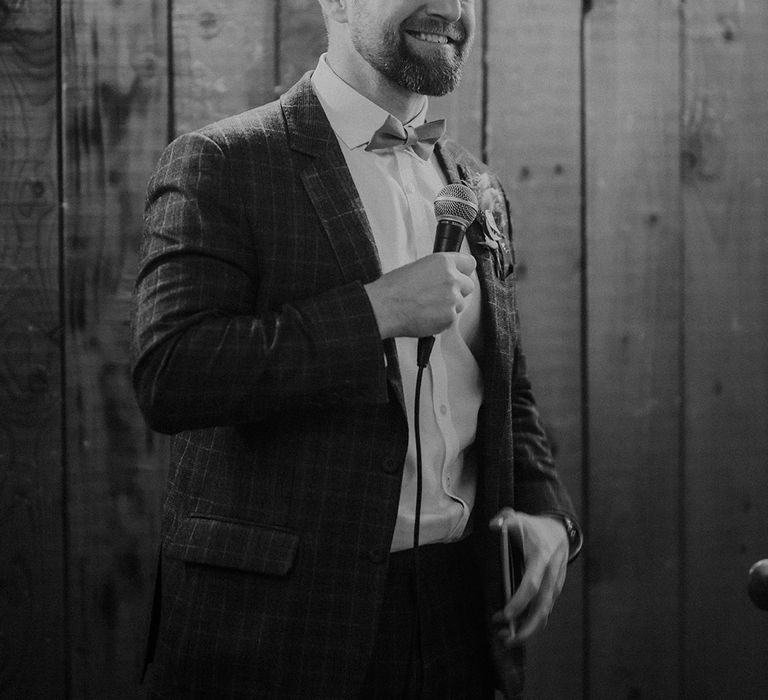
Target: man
{"x":285,"y":277}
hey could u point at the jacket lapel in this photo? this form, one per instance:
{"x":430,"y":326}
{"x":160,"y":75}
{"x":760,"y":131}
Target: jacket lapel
{"x":333,"y":194}
{"x":329,"y":184}
{"x":499,"y":325}
{"x":497,"y":312}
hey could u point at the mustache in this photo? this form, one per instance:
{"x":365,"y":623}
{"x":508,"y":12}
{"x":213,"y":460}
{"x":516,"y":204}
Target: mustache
{"x":455,"y":31}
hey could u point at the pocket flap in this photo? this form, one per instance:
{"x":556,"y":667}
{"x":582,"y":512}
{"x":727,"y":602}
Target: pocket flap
{"x":234,"y":544}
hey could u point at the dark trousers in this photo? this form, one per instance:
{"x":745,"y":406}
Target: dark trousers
{"x":431,"y":643}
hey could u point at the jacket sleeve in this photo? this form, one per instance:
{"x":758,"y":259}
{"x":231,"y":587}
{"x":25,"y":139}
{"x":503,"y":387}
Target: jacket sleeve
{"x":202,"y":356}
{"x":538,"y":489}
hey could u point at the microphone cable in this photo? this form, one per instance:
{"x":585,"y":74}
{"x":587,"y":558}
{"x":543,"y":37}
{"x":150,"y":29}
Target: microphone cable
{"x":419,"y":465}
{"x":455,"y":208}
{"x":422,"y":360}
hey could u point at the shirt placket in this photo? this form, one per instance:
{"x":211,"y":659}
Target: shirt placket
{"x":437,"y":385}
{"x":444,"y":422}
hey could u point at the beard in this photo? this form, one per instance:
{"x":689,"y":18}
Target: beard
{"x":435,"y":73}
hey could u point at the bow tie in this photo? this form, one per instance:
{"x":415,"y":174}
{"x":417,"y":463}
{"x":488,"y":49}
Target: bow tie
{"x":421,"y":139}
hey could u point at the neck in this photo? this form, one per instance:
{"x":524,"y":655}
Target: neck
{"x":398,"y":101}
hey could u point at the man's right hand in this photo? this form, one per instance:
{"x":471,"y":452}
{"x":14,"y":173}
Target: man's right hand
{"x":424,"y":297}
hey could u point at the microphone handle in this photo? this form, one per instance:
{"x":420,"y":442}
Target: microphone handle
{"x":449,"y":236}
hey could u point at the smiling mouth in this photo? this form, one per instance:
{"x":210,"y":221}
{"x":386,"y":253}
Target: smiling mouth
{"x":430,"y":38}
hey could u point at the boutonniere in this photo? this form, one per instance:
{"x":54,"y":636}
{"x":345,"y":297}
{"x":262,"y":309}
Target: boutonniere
{"x":489,"y":198}
{"x":492,"y":218}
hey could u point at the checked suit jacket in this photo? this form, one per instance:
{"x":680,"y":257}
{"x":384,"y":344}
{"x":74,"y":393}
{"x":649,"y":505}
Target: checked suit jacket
{"x":255,"y":345}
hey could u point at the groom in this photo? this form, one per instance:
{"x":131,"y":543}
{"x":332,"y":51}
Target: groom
{"x":286,"y":274}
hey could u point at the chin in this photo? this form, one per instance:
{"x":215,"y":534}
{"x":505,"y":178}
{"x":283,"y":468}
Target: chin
{"x":432,"y":78}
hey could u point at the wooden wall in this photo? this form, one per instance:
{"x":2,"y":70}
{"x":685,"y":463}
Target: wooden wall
{"x":632,"y":136}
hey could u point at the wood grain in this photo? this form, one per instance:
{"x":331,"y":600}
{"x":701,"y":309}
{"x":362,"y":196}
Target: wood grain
{"x":301,"y":40}
{"x":223,"y":58}
{"x":676,"y":314}
{"x":32,"y":616}
{"x":726,"y":328}
{"x":634,"y":329}
{"x":534,"y":117}
{"x":115,"y":124}
{"x":463,"y":108}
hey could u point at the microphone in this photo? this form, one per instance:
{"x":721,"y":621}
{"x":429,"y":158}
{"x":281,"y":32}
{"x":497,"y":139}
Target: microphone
{"x":456,"y":207}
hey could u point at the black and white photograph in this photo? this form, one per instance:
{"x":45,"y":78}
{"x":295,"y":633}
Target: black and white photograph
{"x":383,"y":349}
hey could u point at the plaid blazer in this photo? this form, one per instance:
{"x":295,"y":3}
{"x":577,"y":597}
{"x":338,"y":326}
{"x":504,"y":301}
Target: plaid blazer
{"x":255,"y":345}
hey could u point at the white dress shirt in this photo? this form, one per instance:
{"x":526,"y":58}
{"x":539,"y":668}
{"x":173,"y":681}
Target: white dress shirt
{"x":398,"y":190}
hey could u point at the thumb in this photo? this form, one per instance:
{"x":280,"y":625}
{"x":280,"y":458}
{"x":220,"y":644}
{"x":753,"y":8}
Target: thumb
{"x":465,"y":264}
{"x":513,"y":521}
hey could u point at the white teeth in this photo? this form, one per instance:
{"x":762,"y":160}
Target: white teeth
{"x":432,"y":38}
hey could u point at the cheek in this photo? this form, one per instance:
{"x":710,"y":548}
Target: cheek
{"x":469,"y":19}
{"x":365,"y":23}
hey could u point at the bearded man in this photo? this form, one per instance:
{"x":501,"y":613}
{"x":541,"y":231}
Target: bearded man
{"x":314,"y":545}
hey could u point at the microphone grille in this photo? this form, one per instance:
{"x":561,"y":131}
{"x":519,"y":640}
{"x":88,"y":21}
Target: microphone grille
{"x":456,"y":202}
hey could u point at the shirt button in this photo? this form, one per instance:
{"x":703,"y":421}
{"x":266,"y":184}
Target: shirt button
{"x":443,"y":410}
{"x":409,"y":188}
{"x":376,"y":555}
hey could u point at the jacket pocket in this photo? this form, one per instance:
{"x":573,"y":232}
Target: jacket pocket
{"x":234,"y":544}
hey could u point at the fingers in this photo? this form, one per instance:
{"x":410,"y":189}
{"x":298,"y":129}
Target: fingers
{"x":458,"y":281}
{"x":546,"y":558}
{"x":529,"y":610}
{"x":422,"y":298}
{"x":459,"y":268}
{"x":464,"y":263}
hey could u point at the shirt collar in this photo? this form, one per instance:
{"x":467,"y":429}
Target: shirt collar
{"x":353,"y":117}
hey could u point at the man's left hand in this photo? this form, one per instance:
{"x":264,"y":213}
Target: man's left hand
{"x":544,"y":542}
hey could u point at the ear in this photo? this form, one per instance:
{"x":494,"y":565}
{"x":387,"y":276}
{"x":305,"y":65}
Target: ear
{"x":335,"y":10}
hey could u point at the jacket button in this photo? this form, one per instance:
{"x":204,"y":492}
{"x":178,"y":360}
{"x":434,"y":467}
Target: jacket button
{"x":391,"y":466}
{"x":376,"y":555}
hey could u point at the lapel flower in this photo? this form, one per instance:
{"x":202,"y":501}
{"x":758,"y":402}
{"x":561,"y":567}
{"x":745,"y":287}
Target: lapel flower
{"x":492,"y":217}
{"x":489,"y":198}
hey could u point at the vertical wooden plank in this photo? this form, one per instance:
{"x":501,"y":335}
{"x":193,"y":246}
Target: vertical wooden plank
{"x":223,"y":58}
{"x":726,"y":326}
{"x":301,"y":39}
{"x":31,"y":539}
{"x":534,"y":117}
{"x":463,"y":109}
{"x":115,"y":110}
{"x":633,"y":276}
